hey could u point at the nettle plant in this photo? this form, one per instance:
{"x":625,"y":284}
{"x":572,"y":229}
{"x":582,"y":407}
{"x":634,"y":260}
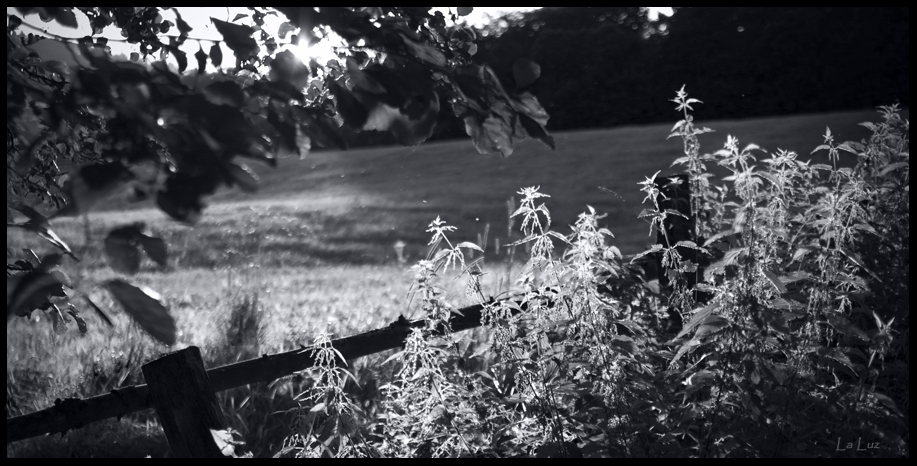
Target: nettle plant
{"x":792,"y":281}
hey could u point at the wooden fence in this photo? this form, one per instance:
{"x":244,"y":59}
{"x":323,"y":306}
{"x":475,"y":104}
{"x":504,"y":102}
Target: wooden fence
{"x":182,"y":392}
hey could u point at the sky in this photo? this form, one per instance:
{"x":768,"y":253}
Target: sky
{"x":202,"y":28}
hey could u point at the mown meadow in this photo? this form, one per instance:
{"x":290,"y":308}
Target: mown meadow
{"x":313,"y":250}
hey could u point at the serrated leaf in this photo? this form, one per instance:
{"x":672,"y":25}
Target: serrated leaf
{"x":859,"y":262}
{"x":396,"y":356}
{"x":888,"y":402}
{"x":835,"y":354}
{"x":689,"y":245}
{"x":710,"y":325}
{"x":717,"y":236}
{"x":772,"y":277}
{"x":846,"y":327}
{"x":786,"y":304}
{"x":654,"y":248}
{"x":700,"y":315}
{"x":687,"y":346}
{"x":892,"y":167}
{"x":730,"y":258}
{"x":146,"y":308}
{"x":469,"y":245}
{"x":776,"y":320}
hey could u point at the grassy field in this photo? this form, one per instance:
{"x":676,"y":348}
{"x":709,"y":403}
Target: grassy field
{"x":313,"y":250}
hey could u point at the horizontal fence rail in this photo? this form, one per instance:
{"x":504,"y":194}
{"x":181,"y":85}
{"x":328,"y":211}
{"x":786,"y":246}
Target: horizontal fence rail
{"x":74,"y":413}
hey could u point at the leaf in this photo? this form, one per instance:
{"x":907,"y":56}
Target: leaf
{"x":711,"y":325}
{"x":464,"y":10}
{"x":182,"y":195}
{"x":424,"y":52}
{"x":155,"y":248}
{"x":55,"y":66}
{"x":700,"y":315}
{"x":718,"y":267}
{"x":122,"y":251}
{"x":856,"y":260}
{"x":183,"y":27}
{"x":892,"y":167}
{"x":835,"y":354}
{"x":225,"y":93}
{"x":98,"y":311}
{"x":146,"y":308}
{"x":57,"y":320}
{"x":244,"y":177}
{"x":469,"y":245}
{"x":216,"y":55}
{"x":14,"y":22}
{"x":653,"y":249}
{"x":181,"y":58}
{"x":238,"y":17}
{"x":287,"y":67}
{"x":201,"y":58}
{"x":27,"y":292}
{"x":535,"y":130}
{"x":772,"y":277}
{"x":80,"y":323}
{"x":846,"y":327}
{"x":320,"y":128}
{"x":92,"y":183}
{"x":284,"y":29}
{"x":238,"y":38}
{"x":776,"y":320}
{"x":65,"y":17}
{"x":623,"y":343}
{"x":39,"y":225}
{"x":690,"y":245}
{"x":701,"y":378}
{"x":525,"y":72}
{"x":353,"y":113}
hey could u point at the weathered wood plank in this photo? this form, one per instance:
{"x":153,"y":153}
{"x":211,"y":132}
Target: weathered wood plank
{"x":185,"y":404}
{"x":76,"y":413}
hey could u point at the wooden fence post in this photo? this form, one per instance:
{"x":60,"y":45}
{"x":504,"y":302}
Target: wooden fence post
{"x":184,"y":401}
